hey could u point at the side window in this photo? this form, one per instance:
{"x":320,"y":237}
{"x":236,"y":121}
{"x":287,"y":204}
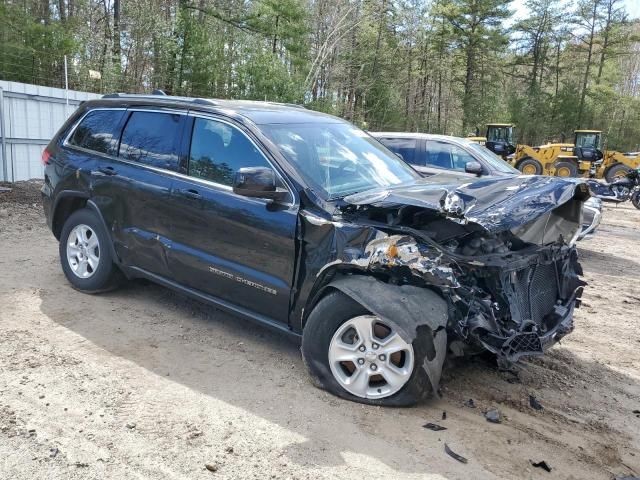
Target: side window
{"x":96,"y":131}
{"x":151,"y":138}
{"x":219,"y":150}
{"x":447,"y":155}
{"x":406,"y":147}
{"x":461,"y":157}
{"x":439,"y":154}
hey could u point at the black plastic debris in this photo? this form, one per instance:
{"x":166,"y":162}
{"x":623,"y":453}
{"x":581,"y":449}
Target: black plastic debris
{"x":636,"y":413}
{"x":492,"y":415}
{"x":444,"y":415}
{"x":453,"y":454}
{"x":542,"y":464}
{"x":470,"y":403}
{"x":434,"y":426}
{"x":534,"y":403}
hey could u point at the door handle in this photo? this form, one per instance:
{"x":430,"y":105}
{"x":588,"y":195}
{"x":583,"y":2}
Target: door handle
{"x":190,"y":193}
{"x":107,"y":171}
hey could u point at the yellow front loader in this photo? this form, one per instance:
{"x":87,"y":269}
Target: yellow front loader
{"x":529,"y":160}
{"x":583,"y":158}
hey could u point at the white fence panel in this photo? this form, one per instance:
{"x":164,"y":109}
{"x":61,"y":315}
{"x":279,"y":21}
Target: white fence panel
{"x":29,"y":117}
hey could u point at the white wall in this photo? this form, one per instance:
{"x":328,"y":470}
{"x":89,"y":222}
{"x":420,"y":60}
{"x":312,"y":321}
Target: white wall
{"x":29,"y":117}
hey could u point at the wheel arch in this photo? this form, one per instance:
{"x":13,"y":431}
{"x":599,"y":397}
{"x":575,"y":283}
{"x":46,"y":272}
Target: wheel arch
{"x":423,"y":312}
{"x":420,"y":305}
{"x":67,"y":203}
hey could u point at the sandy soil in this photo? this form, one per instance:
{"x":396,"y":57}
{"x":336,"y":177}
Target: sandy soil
{"x":143,"y":383}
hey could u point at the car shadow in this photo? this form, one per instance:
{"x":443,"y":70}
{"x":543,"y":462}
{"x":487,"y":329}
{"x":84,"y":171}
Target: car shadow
{"x":186,"y":341}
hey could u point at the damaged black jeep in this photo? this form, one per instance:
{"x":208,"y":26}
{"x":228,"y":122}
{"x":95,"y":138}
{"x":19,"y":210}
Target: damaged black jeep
{"x":304,"y":223}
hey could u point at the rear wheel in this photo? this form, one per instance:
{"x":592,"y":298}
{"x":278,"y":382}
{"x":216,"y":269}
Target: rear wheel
{"x":85,"y":254}
{"x":635,"y":199}
{"x":566,"y":169}
{"x":616,"y":172}
{"x":360,"y":357}
{"x":529,"y":166}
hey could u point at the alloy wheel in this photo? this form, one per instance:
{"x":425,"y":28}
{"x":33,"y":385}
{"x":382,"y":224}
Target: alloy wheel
{"x":369,"y":358}
{"x":83,"y":251}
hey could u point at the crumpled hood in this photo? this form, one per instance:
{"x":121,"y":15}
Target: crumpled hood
{"x":495,"y":203}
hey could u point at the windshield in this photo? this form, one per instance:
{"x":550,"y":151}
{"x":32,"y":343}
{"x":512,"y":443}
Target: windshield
{"x":492,"y":159}
{"x":500,"y":134}
{"x":587,"y":140}
{"x":337,"y":158}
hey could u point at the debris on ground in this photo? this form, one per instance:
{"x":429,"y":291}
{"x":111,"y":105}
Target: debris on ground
{"x":131,"y":425}
{"x":542,"y":464}
{"x":453,"y":454}
{"x":470,"y":403}
{"x":434,"y":426}
{"x":534,"y":403}
{"x":492,"y":415}
{"x":444,"y":415}
{"x":211,"y":467}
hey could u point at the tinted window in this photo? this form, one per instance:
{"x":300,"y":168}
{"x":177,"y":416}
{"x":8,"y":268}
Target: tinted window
{"x":405,"y":147}
{"x":447,"y":155}
{"x":151,"y":138}
{"x":96,"y":131}
{"x":219,"y":150}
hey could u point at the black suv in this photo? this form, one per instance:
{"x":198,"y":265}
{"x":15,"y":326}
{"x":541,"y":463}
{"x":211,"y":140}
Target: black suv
{"x":302,"y":222}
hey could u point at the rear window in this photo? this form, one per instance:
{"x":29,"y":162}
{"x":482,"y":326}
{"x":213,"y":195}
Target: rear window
{"x":96,"y":131}
{"x":152,"y":139}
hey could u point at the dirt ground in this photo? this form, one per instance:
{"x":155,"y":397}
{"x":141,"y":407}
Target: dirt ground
{"x":143,"y":383}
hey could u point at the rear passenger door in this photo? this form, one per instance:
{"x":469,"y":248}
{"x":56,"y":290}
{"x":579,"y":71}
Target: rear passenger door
{"x":133,"y":189}
{"x":237,"y":249}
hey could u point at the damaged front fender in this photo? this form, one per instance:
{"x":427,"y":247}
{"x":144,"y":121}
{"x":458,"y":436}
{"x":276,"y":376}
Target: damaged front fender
{"x":420,"y":309}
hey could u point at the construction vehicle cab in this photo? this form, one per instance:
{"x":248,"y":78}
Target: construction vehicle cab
{"x":587,"y":145}
{"x":500,"y":139}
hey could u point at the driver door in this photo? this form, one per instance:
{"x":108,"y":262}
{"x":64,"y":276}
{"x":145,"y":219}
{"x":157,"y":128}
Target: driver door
{"x":237,"y":249}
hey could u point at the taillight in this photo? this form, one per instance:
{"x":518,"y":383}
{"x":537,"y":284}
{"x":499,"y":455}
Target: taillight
{"x":46,"y":155}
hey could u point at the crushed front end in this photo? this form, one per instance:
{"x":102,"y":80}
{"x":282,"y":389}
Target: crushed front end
{"x":505,"y":259}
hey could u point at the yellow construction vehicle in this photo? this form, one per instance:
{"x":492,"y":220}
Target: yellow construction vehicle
{"x":529,"y":160}
{"x":581,"y":158}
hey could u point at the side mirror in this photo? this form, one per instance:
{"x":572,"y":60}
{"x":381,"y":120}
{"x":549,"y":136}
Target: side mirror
{"x":473,"y":167}
{"x":257,"y":182}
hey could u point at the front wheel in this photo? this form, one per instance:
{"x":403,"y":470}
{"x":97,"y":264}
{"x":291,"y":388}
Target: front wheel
{"x":85,"y":254}
{"x":529,"y":166}
{"x":616,"y":172}
{"x":566,"y":169}
{"x":635,"y":199}
{"x":360,"y":357}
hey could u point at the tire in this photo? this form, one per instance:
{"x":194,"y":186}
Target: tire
{"x":566,"y":169}
{"x":331,"y":314}
{"x":529,"y":166}
{"x":614,"y":172}
{"x":635,"y":200}
{"x":81,"y":268}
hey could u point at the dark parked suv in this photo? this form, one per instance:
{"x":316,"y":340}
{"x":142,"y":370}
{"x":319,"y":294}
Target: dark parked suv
{"x":302,"y":222}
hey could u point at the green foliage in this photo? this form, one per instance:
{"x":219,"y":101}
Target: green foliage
{"x":443,"y":66}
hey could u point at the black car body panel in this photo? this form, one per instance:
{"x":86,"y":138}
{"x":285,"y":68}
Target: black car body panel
{"x":498,"y":250}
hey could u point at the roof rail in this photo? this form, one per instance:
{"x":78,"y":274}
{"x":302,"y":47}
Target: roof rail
{"x":160,"y":93}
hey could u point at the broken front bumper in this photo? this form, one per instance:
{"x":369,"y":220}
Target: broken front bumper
{"x":530,"y":305}
{"x":533,"y":342}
